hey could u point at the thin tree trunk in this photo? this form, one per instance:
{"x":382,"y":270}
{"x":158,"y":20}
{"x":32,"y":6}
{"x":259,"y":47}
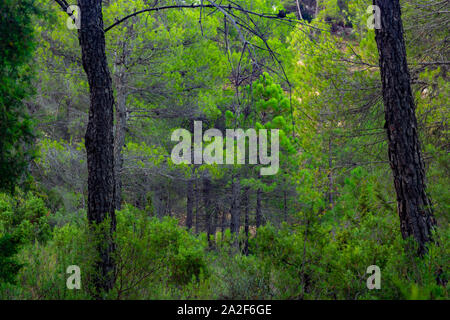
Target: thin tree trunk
{"x":413,"y":204}
{"x":235,"y":205}
{"x":120,"y":128}
{"x":223,"y":222}
{"x":285,"y":205}
{"x":160,"y":201}
{"x":215,"y":218}
{"x":246,"y":220}
{"x":189,"y":203}
{"x":258,"y":208}
{"x":300,"y":16}
{"x":197,"y":223}
{"x":99,"y":138}
{"x":330,"y":173}
{"x":120,"y":81}
{"x":209,"y":210}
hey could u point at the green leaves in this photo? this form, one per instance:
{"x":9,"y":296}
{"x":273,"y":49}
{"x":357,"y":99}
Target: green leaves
{"x":16,"y":128}
{"x":9,"y":266}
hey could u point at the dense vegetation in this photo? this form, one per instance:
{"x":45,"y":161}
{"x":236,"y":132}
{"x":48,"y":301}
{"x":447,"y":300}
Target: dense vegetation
{"x":204,"y":231}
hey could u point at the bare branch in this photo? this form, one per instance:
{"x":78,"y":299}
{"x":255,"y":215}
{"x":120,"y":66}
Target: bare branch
{"x":210,"y":6}
{"x":63,"y":4}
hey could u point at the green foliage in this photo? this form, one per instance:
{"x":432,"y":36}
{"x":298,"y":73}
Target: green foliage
{"x":329,"y":213}
{"x":16,"y":128}
{"x":239,"y":277}
{"x":154,"y":259}
{"x":9,"y":266}
{"x":151,"y":249}
{"x":25,"y":216}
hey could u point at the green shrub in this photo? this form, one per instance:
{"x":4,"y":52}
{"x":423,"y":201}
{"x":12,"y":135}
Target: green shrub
{"x":25,"y":215}
{"x":9,"y":266}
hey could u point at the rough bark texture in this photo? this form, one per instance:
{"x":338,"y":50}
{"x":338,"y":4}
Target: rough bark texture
{"x":414,"y":206}
{"x":99,"y":136}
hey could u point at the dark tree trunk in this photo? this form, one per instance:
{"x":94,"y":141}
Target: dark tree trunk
{"x":216,"y":217}
{"x":223,"y":222}
{"x":235,"y":205}
{"x":414,"y":206}
{"x":209,"y":209}
{"x":99,"y":137}
{"x":189,"y":202}
{"x":197,"y":208}
{"x":160,"y":201}
{"x":246,"y":220}
{"x":121,"y":123}
{"x":258,"y":208}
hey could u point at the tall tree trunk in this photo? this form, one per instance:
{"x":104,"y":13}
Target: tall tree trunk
{"x":160,"y":201}
{"x":246,"y":220}
{"x":120,"y":82}
{"x":99,"y":137}
{"x":414,"y":206}
{"x":189,"y":202}
{"x":299,"y":11}
{"x":235,"y":205}
{"x":223,"y":222}
{"x":197,"y":208}
{"x":120,"y":128}
{"x":216,"y":217}
{"x":209,"y":210}
{"x":258,"y":208}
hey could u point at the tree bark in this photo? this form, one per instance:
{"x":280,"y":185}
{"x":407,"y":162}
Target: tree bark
{"x":208,"y":205}
{"x":258,"y":208}
{"x":235,"y":205}
{"x":413,"y":204}
{"x":99,"y":138}
{"x":246,"y":219}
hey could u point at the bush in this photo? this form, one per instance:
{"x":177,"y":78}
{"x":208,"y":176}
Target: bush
{"x":9,"y":266}
{"x":24,"y":215}
{"x":152,"y":251}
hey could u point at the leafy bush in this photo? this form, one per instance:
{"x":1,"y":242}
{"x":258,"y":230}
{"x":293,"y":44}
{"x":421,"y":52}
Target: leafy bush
{"x":24,"y":215}
{"x":9,"y":266}
{"x":149,"y":249}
